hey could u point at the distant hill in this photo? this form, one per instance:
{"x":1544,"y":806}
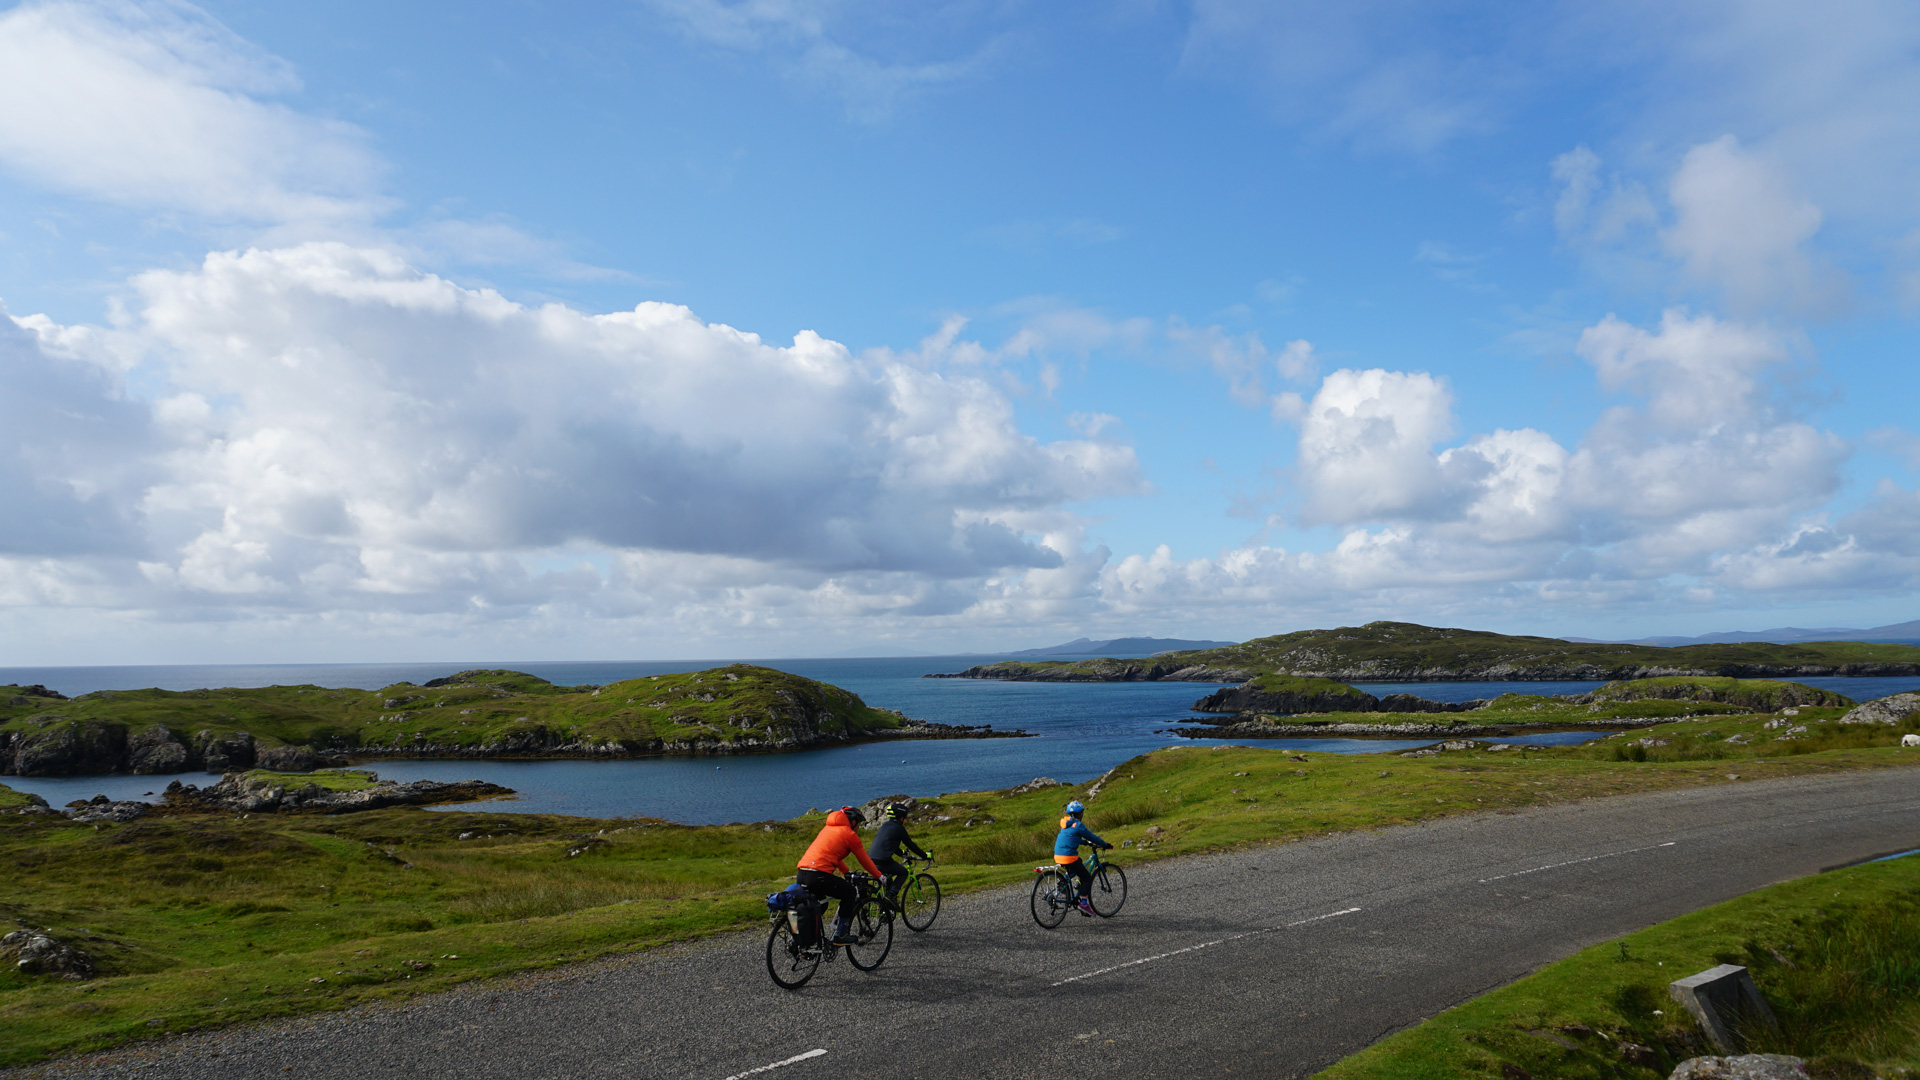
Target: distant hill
{"x":1407,"y":652}
{"x":1119,"y":647}
{"x":1896,"y":633}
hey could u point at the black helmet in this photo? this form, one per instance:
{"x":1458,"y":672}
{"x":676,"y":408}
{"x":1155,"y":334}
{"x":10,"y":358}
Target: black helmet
{"x":854,"y":816}
{"x":896,"y":811}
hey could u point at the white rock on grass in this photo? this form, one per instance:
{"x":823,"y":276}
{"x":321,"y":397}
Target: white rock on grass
{"x":1743,"y":1067}
{"x":1886,"y":710}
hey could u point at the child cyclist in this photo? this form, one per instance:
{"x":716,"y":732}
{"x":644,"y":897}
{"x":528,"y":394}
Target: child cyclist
{"x":1066,"y":852}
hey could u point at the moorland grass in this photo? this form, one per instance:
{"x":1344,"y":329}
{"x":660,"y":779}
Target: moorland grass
{"x":1837,"y":956}
{"x":203,"y":919}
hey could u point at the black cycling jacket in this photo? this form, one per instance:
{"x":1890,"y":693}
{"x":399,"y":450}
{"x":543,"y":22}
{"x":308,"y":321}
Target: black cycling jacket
{"x":890,"y":839}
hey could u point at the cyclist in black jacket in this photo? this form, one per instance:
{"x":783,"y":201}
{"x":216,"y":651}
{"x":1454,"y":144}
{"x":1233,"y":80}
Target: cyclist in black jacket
{"x":887,"y":843}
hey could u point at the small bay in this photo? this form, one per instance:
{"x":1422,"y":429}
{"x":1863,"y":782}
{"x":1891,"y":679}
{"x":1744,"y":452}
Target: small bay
{"x":1080,"y":730}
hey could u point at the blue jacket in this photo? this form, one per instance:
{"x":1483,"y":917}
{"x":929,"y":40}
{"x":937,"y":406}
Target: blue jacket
{"x":1072,"y":835}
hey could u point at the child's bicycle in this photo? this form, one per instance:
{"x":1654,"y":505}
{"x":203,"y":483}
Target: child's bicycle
{"x":919,"y":899}
{"x":798,"y":942}
{"x":1055,"y":892}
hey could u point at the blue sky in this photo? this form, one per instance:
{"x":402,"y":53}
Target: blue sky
{"x":1208,"y":319}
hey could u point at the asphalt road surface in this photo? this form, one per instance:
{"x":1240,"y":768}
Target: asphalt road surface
{"x":1270,"y":963}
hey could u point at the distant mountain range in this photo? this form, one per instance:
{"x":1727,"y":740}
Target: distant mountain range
{"x":1121,"y":648}
{"x":1900,"y":633}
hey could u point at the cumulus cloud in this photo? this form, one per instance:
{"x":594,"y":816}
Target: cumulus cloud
{"x":1694,"y":482}
{"x":158,"y":106}
{"x":1739,"y":227}
{"x":1366,"y":445}
{"x":342,"y":427}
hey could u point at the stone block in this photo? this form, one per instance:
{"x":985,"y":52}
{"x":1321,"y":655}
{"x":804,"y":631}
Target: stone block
{"x":1726,"y":1003}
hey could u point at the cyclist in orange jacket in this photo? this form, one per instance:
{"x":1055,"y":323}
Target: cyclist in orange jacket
{"x":821,"y":866}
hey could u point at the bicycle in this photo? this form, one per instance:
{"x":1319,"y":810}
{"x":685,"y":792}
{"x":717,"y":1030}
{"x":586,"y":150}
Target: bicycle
{"x":797,"y":943}
{"x":1055,"y":892}
{"x":918,"y":900}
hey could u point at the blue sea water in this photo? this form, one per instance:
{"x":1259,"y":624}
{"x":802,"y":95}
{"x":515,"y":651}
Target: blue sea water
{"x":1080,"y":730}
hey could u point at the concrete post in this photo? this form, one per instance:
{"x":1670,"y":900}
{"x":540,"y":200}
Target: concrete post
{"x":1726,"y":1003}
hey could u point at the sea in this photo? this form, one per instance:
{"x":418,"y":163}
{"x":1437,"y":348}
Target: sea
{"x":1077,"y":731}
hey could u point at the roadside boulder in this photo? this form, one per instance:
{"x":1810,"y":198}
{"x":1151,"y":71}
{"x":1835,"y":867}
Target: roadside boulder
{"x":1742,"y":1067}
{"x":155,"y":750}
{"x":1886,"y":710}
{"x":37,"y":954}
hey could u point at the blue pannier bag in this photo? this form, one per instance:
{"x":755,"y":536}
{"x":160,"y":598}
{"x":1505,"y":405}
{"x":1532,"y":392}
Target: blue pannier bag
{"x":792,"y":897}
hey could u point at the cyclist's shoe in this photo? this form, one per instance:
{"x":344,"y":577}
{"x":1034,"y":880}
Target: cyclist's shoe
{"x":1086,"y":907}
{"x":843,"y":932}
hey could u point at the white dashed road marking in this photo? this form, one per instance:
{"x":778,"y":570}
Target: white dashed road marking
{"x":1203,"y":945}
{"x":1576,"y":862}
{"x":794,"y":1060}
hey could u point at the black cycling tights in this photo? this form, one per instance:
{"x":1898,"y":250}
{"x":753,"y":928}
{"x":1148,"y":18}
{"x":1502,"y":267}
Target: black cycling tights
{"x":895,"y":874}
{"x":1080,"y":874}
{"x":831,"y":886}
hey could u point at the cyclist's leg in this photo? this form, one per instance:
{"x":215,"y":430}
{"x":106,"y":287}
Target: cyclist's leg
{"x":1081,"y":875}
{"x":895,"y":874}
{"x":832,"y":887}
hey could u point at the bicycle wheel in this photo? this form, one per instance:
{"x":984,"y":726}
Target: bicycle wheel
{"x":1050,"y":901}
{"x":1109,"y":890}
{"x":873,"y":931}
{"x":789,"y":964}
{"x":920,"y":902}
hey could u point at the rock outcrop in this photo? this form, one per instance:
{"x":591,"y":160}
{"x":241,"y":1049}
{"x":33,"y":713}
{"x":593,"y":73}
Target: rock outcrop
{"x":1886,"y":710}
{"x":35,"y":953}
{"x":254,"y":794}
{"x":155,"y":750}
{"x":64,"y":749}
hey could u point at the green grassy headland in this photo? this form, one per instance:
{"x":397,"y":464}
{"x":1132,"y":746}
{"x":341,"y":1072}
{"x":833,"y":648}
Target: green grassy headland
{"x":475,"y":713}
{"x":202,"y":919}
{"x":1836,"y":955}
{"x":1407,"y":652}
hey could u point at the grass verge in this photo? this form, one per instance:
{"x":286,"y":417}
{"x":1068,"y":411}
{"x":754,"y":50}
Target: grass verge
{"x":1837,"y":956}
{"x":197,"y":920}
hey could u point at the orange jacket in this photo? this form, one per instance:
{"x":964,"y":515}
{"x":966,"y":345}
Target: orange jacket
{"x":836,"y":841}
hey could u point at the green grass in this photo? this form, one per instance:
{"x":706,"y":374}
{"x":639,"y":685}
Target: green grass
{"x":507,"y":711}
{"x":1837,"y":956}
{"x":329,"y":779}
{"x":198,"y":920}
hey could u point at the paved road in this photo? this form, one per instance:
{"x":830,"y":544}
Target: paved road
{"x":1272,"y":963}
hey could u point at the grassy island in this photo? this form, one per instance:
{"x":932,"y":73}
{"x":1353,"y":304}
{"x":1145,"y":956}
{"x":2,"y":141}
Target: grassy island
{"x":486,"y":713}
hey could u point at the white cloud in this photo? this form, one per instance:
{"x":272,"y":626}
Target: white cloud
{"x":155,"y":106}
{"x":821,"y":42}
{"x":1366,"y":445}
{"x":347,"y":432}
{"x":1739,"y":227}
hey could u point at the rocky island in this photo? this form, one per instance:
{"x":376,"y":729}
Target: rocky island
{"x":737,"y":709}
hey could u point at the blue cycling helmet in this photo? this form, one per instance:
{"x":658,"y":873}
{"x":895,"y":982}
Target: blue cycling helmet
{"x":1076,"y":807}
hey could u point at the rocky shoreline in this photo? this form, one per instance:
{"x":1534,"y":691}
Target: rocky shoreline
{"x":98,"y":747}
{"x":1274,"y":729}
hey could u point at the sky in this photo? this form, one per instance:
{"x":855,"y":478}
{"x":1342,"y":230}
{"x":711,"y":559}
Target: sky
{"x":667,"y":329}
